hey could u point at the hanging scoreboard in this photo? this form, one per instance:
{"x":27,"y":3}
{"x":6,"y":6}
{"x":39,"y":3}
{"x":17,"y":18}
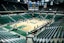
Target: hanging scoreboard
{"x":33,"y":6}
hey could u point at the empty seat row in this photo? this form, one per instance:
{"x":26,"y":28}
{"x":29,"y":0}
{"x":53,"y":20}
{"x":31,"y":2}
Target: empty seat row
{"x":1,"y":8}
{"x":48,"y":32}
{"x":12,"y":6}
{"x":7,"y":35}
{"x":5,"y":19}
{"x":16,"y":17}
{"x":14,"y":40}
{"x":1,"y":29}
{"x":47,"y":41}
{"x":54,"y":31}
{"x":27,"y":16}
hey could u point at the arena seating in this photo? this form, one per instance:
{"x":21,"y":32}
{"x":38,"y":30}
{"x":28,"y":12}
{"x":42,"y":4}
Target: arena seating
{"x":9,"y":6}
{"x":27,"y":16}
{"x":36,"y":15}
{"x":49,"y":17}
{"x":22,"y":17}
{"x":16,"y":17}
{"x":20,"y":32}
{"x":7,"y":37}
{"x":52,"y":32}
{"x":43,"y":15}
{"x":58,"y":17}
{"x":1,"y":8}
{"x":5,"y":19}
{"x":58,"y":23}
{"x":19,"y":17}
{"x":17,"y":31}
{"x":19,"y":7}
{"x":12,"y":6}
{"x":16,"y":24}
{"x":2,"y":29}
{"x":16,"y":41}
{"x":7,"y":26}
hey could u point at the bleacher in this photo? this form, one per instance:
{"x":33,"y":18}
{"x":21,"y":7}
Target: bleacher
{"x":52,"y":34}
{"x":16,"y":17}
{"x":12,"y":6}
{"x":21,"y":32}
{"x":27,"y":16}
{"x":43,"y":15}
{"x":1,"y":8}
{"x":7,"y":37}
{"x":17,"y":31}
{"x":17,"y":40}
{"x":13,"y":12}
{"x":9,"y":6}
{"x":2,"y":29}
{"x":8,"y":26}
{"x":49,"y":17}
{"x":19,"y":7}
{"x":58,"y":17}
{"x":5,"y":19}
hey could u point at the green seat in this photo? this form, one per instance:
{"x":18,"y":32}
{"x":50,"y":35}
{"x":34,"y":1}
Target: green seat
{"x":16,"y":17}
{"x":1,"y":29}
{"x":49,"y":17}
{"x":20,"y":32}
{"x":21,"y":27}
{"x":5,"y":19}
{"x":58,"y":17}
{"x":8,"y":26}
{"x":43,"y":15}
{"x":36,"y":15}
{"x":27,"y":16}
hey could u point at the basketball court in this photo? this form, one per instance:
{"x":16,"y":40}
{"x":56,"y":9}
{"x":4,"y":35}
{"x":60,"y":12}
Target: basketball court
{"x":30,"y":25}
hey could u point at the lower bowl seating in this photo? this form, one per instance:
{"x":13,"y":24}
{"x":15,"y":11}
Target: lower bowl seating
{"x":52,"y":32}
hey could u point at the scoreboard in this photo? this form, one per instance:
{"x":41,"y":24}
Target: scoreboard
{"x":33,"y":6}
